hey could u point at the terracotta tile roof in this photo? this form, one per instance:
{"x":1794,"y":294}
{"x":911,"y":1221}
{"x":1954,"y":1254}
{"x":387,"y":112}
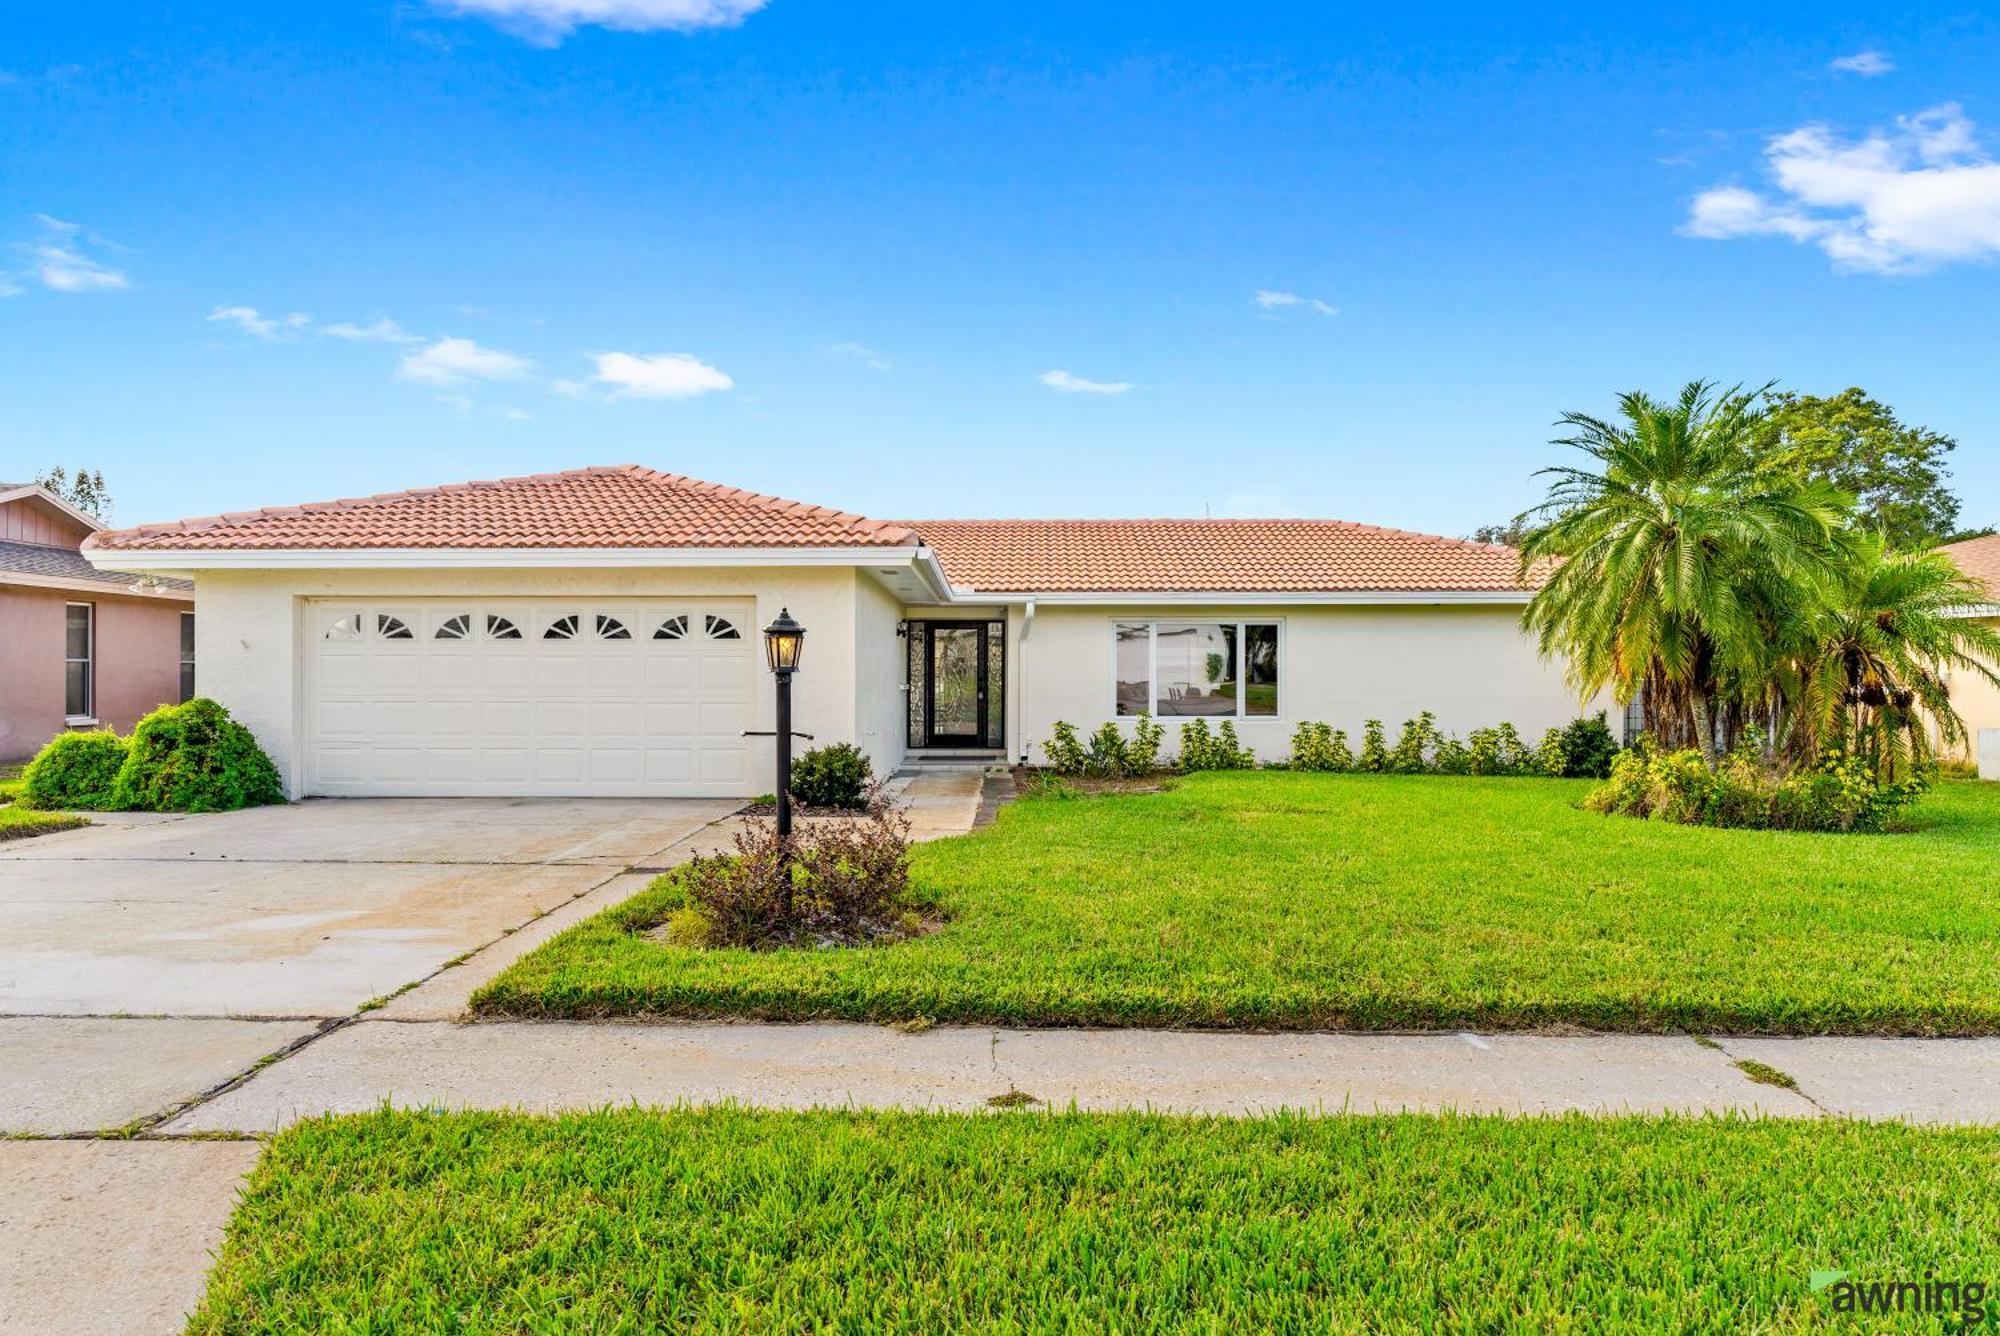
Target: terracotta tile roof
{"x":1980,"y":559}
{"x":62,"y":563}
{"x":623,"y":506}
{"x":1199,"y":556}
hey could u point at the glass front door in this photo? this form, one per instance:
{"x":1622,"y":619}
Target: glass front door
{"x":954,"y":684}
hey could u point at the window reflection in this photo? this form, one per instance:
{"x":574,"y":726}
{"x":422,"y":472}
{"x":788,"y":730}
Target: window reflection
{"x":1135,"y":668}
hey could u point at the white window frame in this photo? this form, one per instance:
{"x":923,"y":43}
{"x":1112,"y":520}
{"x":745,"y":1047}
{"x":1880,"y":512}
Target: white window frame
{"x":1153,"y":625}
{"x":89,"y":662}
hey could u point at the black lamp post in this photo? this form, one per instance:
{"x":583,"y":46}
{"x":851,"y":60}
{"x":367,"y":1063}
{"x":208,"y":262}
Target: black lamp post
{"x":784,"y":640}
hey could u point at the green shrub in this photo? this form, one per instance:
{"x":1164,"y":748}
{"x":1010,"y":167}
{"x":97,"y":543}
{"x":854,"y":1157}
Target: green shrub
{"x":74,"y":772}
{"x":1374,"y":751}
{"x":1105,"y":757}
{"x":1142,"y":753}
{"x":1452,"y":758}
{"x":1318,"y":748}
{"x":1588,"y":747}
{"x":193,"y":757}
{"x":1064,"y":751}
{"x":1416,"y":745}
{"x":836,"y":775}
{"x":1743,"y":791}
{"x":835,"y":883}
{"x":1551,"y":757}
{"x":1220,"y":750}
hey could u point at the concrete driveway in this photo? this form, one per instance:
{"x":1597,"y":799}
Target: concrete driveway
{"x":307,"y":910}
{"x":144,"y":962}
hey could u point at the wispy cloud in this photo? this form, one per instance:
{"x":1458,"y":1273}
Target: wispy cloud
{"x":382,"y":330}
{"x":655,"y":376}
{"x":861,"y":353}
{"x":251,"y":322}
{"x":1271,"y":301}
{"x":60,"y":260}
{"x":1868,"y":64}
{"x":1899,"y":201}
{"x":452,"y":362}
{"x":1062,"y":382}
{"x":547,"y":22}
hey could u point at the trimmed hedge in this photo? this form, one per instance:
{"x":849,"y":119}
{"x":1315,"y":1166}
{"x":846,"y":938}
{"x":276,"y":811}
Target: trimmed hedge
{"x":193,"y":757}
{"x":74,"y":772}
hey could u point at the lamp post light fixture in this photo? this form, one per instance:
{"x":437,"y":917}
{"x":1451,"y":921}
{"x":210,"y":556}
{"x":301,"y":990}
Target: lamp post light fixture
{"x":784,"y":641}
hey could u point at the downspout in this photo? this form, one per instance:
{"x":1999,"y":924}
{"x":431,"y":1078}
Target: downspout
{"x":1021,"y":676}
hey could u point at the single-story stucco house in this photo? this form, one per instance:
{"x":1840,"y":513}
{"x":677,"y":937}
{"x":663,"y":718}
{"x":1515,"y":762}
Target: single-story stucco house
{"x":80,"y":647}
{"x":597,"y":632}
{"x":1976,"y":699}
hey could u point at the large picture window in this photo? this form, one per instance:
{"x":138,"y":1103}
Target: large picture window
{"x":79,"y":656}
{"x":1196,"y":668}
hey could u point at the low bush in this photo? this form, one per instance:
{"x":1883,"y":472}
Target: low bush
{"x":836,"y":775}
{"x":1109,"y":754}
{"x":839,"y":883}
{"x":1588,"y":746}
{"x":1374,"y":758}
{"x":74,"y":772}
{"x":1220,"y":750}
{"x":1416,"y":745}
{"x":193,"y":757}
{"x":1745,"y":791}
{"x":1318,"y":747}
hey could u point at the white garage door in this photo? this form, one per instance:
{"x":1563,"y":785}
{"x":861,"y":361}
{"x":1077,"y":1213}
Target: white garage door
{"x":594,"y":697}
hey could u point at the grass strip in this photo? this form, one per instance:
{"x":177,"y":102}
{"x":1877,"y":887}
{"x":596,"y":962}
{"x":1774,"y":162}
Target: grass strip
{"x":631,"y":1220}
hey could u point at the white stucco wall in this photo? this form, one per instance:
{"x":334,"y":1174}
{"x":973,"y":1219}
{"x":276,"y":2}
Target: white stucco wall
{"x":250,"y":659}
{"x":879,"y":672}
{"x":1467,"y":664}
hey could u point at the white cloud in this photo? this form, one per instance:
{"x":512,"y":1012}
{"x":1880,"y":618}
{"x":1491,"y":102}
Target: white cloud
{"x":861,"y":353}
{"x":655,"y":376}
{"x":547,"y":22}
{"x":58,"y":261}
{"x":1064,"y":383}
{"x":1868,"y":64}
{"x":383,"y":330}
{"x":1270,"y":300}
{"x":450,"y":361}
{"x":247,"y":319}
{"x":1901,"y":201}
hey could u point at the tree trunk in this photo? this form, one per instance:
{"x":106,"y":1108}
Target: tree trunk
{"x":1704,"y":725}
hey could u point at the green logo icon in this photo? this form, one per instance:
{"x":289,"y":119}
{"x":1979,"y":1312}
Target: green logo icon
{"x":1820,"y":1280}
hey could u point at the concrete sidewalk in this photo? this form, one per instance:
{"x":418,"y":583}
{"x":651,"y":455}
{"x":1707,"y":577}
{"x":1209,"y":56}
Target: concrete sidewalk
{"x":551,"y":1067}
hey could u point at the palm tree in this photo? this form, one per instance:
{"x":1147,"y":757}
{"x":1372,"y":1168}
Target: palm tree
{"x":1669,"y":560}
{"x":1873,"y":682}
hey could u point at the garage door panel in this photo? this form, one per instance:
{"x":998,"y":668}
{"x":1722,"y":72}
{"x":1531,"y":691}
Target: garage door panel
{"x":450,"y":704}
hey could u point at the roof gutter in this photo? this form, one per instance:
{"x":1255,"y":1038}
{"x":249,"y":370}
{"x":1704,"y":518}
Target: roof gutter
{"x":1250,"y":598}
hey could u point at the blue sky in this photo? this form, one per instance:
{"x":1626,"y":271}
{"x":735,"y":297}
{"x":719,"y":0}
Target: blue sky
{"x":922,"y":260}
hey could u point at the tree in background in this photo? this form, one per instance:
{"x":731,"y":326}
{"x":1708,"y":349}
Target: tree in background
{"x":1869,"y":675}
{"x":1675,"y":554}
{"x":85,"y":490}
{"x":1895,"y":473}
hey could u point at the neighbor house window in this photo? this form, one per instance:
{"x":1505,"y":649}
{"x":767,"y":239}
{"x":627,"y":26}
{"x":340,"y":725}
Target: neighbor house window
{"x":187,"y":656}
{"x":1196,"y":668}
{"x":79,"y":654}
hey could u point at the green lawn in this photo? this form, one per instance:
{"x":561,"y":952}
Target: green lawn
{"x":18,"y":823}
{"x":1326,"y":902}
{"x":11,"y":783}
{"x":629,"y":1220}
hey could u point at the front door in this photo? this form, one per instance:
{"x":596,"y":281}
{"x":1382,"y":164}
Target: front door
{"x":958,"y":684}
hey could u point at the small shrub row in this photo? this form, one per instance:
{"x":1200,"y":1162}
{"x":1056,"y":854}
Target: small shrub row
{"x":1745,"y":791}
{"x":190,"y":757}
{"x":837,"y":883}
{"x":1582,"y":750}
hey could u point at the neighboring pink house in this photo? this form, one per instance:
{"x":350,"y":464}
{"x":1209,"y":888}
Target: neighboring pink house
{"x":80,"y":647}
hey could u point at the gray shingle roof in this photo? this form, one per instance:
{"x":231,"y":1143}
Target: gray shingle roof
{"x":60,"y":563}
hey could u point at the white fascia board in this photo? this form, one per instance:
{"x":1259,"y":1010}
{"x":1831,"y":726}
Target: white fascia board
{"x":45,"y":496}
{"x":104,"y":588}
{"x":465,"y":558}
{"x":1241,"y":598}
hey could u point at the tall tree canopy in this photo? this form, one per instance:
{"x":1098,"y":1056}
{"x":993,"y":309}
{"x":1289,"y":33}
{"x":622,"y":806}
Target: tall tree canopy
{"x":1896,"y":473}
{"x":84,"y":489}
{"x":1674,"y":549}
